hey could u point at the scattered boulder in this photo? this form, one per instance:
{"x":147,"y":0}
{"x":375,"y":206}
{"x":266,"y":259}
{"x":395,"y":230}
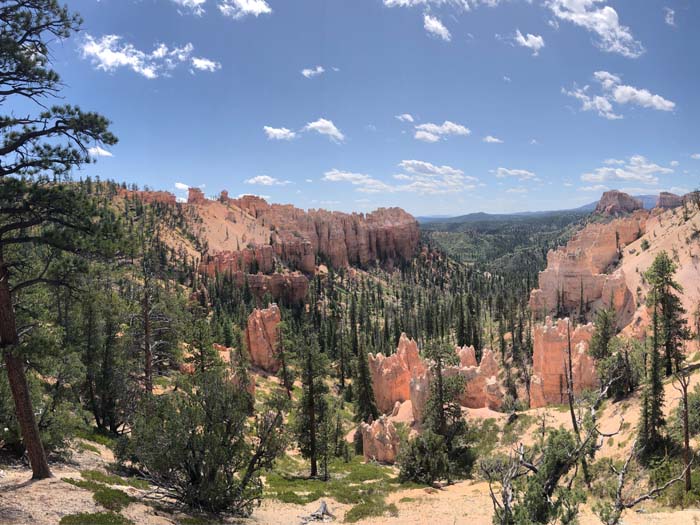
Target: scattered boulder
{"x":380,"y":441}
{"x":261,"y":338}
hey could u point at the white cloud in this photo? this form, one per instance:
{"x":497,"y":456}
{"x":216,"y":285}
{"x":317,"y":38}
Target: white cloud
{"x":204,"y":64}
{"x":181,"y":186}
{"x":601,"y":19}
{"x":279,"y":133}
{"x":670,"y":16}
{"x":490,"y":139}
{"x":516,"y":190}
{"x":695,"y":156}
{"x":266,"y":180}
{"x":238,"y":9}
{"x":365,"y":183}
{"x":533,"y":42}
{"x":110,"y":53}
{"x":325,"y":127}
{"x":520,"y":174}
{"x":613,"y":91}
{"x":436,"y":28}
{"x":195,"y":7}
{"x":430,"y":132}
{"x":596,"y":188}
{"x":313,"y":72}
{"x":674,"y":163}
{"x":97,"y":151}
{"x":405,"y":117}
{"x":636,"y":169}
{"x":417,"y":176}
{"x":506,"y":78}
{"x":464,"y":4}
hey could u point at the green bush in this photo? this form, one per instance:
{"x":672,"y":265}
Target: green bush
{"x":423,"y":459}
{"x":199,"y":443}
{"x":97,"y":518}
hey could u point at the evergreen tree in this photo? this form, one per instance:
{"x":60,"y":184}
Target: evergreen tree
{"x":604,"y":332}
{"x":365,"y":405}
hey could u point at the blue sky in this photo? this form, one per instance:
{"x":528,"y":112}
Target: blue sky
{"x":438,"y":106}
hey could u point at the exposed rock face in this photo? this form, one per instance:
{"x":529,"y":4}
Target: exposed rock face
{"x":668,"y":200}
{"x":391,"y":376}
{"x":615,"y":202}
{"x":195,"y":196}
{"x":550,"y":357}
{"x":261,"y":338}
{"x":481,"y":386}
{"x":580,"y":269}
{"x":149,"y":197}
{"x":387,"y":235}
{"x":380,"y":441}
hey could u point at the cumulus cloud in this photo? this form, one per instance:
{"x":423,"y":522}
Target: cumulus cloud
{"x":517,"y":190}
{"x":600,"y":19}
{"x":405,"y":117}
{"x":97,"y":151}
{"x":695,"y":156}
{"x":532,"y":42}
{"x":110,"y":53}
{"x":266,"y":180}
{"x":635,"y":169}
{"x":465,"y":5}
{"x":669,"y":16}
{"x":490,"y":139}
{"x":313,"y":72}
{"x":195,"y":7}
{"x":416,"y":176}
{"x":613,"y":91}
{"x":327,"y":128}
{"x":204,"y":64}
{"x":238,"y":9}
{"x":279,"y":133}
{"x":436,"y":28}
{"x":520,"y":174}
{"x":430,"y":132}
{"x":181,"y":186}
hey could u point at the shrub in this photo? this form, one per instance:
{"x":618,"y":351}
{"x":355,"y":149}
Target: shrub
{"x":423,"y":459}
{"x":97,"y":518}
{"x":198,"y":445}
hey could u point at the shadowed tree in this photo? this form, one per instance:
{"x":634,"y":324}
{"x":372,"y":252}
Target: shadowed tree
{"x":51,"y":142}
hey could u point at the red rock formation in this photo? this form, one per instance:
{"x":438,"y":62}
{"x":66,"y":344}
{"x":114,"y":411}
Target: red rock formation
{"x":149,"y":197}
{"x":550,"y":357}
{"x":615,"y":202}
{"x":581,"y":267}
{"x":380,"y":441}
{"x":387,"y":235}
{"x":481,"y":386}
{"x":391,"y":376}
{"x":261,"y":338}
{"x":668,"y":200}
{"x":195,"y":196}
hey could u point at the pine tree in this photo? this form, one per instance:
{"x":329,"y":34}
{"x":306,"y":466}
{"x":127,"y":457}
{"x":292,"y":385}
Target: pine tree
{"x":365,"y":405}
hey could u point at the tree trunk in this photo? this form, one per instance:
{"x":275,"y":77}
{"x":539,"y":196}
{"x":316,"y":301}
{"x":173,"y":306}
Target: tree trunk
{"x":686,"y":436}
{"x":18,"y":380}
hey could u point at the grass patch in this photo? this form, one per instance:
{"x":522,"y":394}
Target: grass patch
{"x":82,"y":446}
{"x":373,"y":506}
{"x":407,"y":500}
{"x":364,"y":485}
{"x":96,"y":436}
{"x":109,"y":498}
{"x":97,"y":518}
{"x":112,"y":479}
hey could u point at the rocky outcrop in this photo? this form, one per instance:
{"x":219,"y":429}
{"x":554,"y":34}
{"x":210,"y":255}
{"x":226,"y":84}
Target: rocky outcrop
{"x":249,"y":260}
{"x":391,"y":376}
{"x":149,"y":197}
{"x":380,"y":441}
{"x":668,"y":200}
{"x":615,"y":202}
{"x":195,"y":196}
{"x":578,"y":271}
{"x":386,"y":236}
{"x":481,"y":386}
{"x":261,"y":338}
{"x":550,"y":361}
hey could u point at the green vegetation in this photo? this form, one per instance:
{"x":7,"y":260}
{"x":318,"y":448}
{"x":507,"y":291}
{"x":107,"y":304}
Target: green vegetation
{"x":97,"y":518}
{"x":109,"y":498}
